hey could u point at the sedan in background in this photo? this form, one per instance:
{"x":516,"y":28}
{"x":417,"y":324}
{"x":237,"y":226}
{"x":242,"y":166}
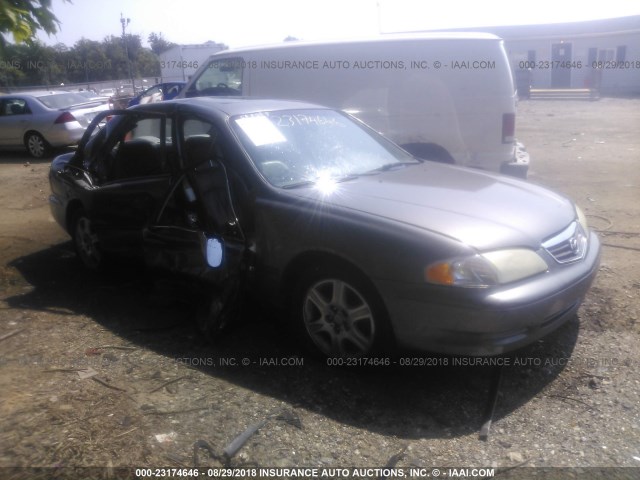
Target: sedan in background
{"x":107,"y":92}
{"x":158,"y":93}
{"x":40,"y":120}
{"x":90,"y":95}
{"x":306,"y":208}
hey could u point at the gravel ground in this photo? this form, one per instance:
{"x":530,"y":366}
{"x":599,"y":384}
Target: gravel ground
{"x":107,"y":370}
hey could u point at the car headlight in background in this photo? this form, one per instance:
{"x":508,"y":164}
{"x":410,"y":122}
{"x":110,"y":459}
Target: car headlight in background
{"x":487,"y":269}
{"x":582,"y":219}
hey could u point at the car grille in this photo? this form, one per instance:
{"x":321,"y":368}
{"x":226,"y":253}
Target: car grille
{"x":568,"y":246}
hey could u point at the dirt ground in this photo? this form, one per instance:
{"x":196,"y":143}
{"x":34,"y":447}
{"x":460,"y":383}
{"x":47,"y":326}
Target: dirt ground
{"x":107,"y":370}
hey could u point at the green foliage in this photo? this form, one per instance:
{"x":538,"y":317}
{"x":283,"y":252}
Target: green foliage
{"x":146,"y":64}
{"x":158,"y":43}
{"x":23,"y":18}
{"x":31,"y":64}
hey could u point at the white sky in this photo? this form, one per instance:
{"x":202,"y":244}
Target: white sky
{"x":252,"y":22}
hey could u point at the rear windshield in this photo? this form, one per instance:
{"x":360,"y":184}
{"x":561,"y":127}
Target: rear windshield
{"x":62,"y":100}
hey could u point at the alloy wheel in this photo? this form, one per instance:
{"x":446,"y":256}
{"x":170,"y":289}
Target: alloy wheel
{"x":36,"y":145}
{"x":338,"y":319}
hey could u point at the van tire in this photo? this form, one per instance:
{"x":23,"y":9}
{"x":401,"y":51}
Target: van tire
{"x":429,"y":151}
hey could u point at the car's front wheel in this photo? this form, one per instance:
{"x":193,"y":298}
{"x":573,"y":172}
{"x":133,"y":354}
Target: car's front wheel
{"x":220,"y":309}
{"x":86,"y":242}
{"x":340,"y":313}
{"x":36,"y":145}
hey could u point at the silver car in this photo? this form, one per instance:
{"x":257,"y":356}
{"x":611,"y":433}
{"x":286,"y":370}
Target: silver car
{"x":40,"y":120}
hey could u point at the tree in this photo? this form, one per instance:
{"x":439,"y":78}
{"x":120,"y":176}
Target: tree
{"x":146,"y":64}
{"x":115,"y":52}
{"x":33,"y":64}
{"x":86,"y":62}
{"x":12,"y":73}
{"x":23,"y":18}
{"x":158,"y":43}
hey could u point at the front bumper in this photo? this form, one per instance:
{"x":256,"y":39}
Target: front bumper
{"x":483,"y":322}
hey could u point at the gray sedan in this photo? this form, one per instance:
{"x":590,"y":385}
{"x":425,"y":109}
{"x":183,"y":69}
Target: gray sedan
{"x":39,"y":120}
{"x":358,"y":242}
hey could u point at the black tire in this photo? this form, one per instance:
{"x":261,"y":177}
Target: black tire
{"x":427,"y":151}
{"x":86,"y":243}
{"x":36,"y":145}
{"x":336,"y":312}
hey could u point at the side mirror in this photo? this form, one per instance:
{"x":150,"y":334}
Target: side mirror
{"x":214,"y":252}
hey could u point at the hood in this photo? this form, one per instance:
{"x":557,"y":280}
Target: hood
{"x":482,"y":210}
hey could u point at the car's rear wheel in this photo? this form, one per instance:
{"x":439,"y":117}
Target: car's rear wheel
{"x":340,"y":313}
{"x":36,"y":145}
{"x":86,"y":242}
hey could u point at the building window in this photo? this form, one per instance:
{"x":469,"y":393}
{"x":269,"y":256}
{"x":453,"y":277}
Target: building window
{"x":593,"y":55}
{"x":621,"y":53}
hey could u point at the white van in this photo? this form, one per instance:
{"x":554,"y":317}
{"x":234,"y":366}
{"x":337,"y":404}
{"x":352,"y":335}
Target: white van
{"x":442,"y":96}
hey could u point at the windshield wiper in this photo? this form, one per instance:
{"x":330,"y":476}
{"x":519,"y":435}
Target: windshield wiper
{"x":389,"y":166}
{"x":306,"y":183}
{"x":302,"y":183}
{"x":345,"y":178}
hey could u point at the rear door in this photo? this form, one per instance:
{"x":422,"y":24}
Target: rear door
{"x":15,"y":116}
{"x":132,"y":168}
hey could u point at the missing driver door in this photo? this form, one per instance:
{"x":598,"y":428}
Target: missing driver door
{"x":198,"y":207}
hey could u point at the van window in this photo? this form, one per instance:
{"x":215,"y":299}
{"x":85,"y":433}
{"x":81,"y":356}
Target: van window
{"x":221,"y":77}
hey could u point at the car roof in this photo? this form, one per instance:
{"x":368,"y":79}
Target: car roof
{"x":35,"y":93}
{"x":228,"y":106}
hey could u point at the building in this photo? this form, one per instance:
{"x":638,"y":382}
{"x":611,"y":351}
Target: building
{"x":180,"y":62}
{"x":602,"y":55}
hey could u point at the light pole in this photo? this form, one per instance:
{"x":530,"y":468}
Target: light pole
{"x":125,"y":22}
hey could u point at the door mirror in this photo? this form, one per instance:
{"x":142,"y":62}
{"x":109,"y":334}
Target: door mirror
{"x":214,"y":252}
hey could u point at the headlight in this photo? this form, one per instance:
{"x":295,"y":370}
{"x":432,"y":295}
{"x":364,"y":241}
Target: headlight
{"x":488,"y":269}
{"x":582,"y":219}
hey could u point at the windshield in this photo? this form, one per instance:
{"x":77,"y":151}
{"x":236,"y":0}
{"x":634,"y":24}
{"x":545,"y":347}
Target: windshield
{"x":62,"y":100}
{"x":297,"y":147}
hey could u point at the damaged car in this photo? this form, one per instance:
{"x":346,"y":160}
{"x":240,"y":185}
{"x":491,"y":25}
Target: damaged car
{"x":306,"y":208}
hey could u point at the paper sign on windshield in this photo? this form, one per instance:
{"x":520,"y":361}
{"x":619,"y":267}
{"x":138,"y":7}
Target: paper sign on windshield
{"x":260,"y":130}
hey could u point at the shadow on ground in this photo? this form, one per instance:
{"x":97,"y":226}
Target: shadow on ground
{"x":407,"y":402}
